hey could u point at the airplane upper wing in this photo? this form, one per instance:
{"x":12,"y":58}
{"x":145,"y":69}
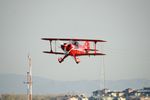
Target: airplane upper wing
{"x":67,"y":39}
{"x":93,"y":54}
{"x":53,"y":52}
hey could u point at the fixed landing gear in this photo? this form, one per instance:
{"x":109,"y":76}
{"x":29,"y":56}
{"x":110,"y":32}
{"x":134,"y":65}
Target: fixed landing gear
{"x":77,"y":60}
{"x":60,"y":60}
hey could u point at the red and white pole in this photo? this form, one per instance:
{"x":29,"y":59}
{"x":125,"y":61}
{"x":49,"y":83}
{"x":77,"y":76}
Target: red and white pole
{"x":29,"y":78}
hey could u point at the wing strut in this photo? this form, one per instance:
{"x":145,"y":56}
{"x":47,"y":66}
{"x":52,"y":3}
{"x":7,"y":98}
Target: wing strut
{"x":55,"y":46}
{"x":95,"y":46}
{"x":50,"y":46}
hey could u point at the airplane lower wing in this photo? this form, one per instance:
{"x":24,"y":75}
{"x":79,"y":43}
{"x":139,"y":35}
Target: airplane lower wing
{"x":86,"y":54}
{"x":91,"y":54}
{"x":54,"y":52}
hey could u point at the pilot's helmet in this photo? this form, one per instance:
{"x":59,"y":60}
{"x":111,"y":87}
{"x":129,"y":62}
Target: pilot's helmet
{"x":76,"y":43}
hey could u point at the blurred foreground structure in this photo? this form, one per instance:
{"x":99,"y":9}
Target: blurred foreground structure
{"x":72,"y":97}
{"x":127,"y":94}
{"x":105,"y":94}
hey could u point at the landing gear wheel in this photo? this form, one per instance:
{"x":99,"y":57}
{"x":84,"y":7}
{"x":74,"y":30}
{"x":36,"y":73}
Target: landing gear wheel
{"x":77,"y":60}
{"x":60,"y":60}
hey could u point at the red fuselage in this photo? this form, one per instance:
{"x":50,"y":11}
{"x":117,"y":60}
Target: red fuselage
{"x":72,"y":49}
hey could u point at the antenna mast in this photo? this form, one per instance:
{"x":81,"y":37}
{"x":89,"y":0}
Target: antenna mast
{"x":29,"y":79}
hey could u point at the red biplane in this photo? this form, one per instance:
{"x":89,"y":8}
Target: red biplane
{"x":71,"y":47}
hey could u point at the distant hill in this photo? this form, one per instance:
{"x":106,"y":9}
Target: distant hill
{"x":11,"y":83}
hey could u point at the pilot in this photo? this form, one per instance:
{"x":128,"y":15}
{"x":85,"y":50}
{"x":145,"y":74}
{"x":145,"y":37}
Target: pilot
{"x":76,"y":44}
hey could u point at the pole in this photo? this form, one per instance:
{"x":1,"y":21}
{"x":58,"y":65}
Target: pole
{"x":29,"y":78}
{"x":104,"y":73}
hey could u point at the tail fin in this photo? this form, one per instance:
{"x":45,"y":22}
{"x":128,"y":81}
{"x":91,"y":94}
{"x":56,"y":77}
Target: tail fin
{"x":87,"y":46}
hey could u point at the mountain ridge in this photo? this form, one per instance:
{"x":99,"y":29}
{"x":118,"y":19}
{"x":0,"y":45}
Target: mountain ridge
{"x":13,"y":83}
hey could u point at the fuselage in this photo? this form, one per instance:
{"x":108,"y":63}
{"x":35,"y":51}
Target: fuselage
{"x":73,"y":49}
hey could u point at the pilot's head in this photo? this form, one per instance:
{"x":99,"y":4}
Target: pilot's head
{"x":76,"y":43}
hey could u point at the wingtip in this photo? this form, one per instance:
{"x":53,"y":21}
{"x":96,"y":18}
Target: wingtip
{"x":43,"y":38}
{"x":46,"y":52}
{"x":102,"y":54}
{"x":104,"y":41}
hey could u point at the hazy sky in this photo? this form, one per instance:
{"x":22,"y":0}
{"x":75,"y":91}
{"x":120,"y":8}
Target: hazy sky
{"x":125,"y":24}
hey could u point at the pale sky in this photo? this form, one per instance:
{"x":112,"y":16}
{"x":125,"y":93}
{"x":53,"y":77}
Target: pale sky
{"x":125,"y":24}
